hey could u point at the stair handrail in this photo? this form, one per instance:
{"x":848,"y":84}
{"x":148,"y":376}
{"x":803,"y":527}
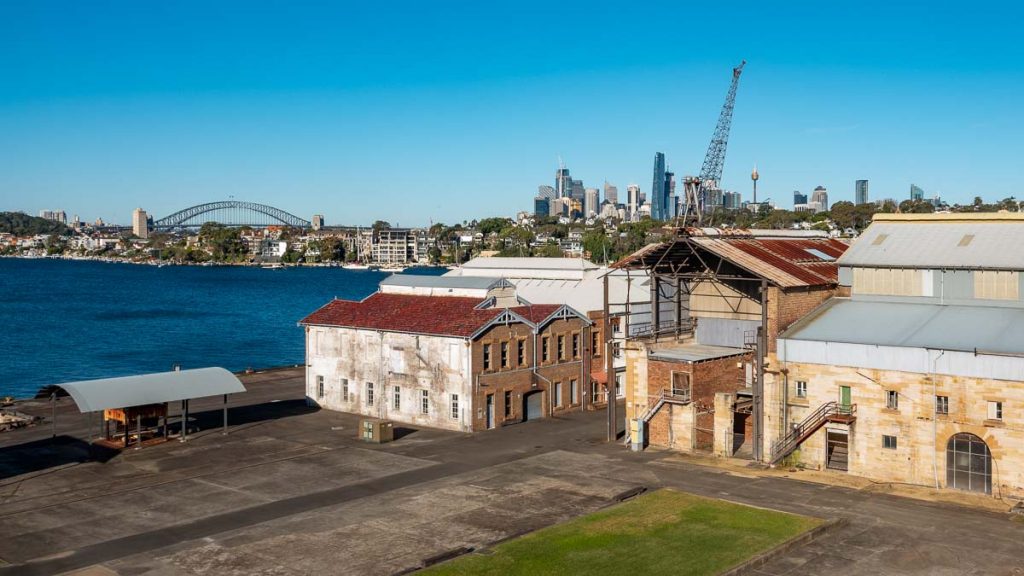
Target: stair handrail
{"x":783,"y":445}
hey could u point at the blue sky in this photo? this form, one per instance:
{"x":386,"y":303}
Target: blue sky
{"x":446,"y":111}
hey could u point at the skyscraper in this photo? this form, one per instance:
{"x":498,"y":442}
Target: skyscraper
{"x":916,"y":193}
{"x":659,"y":189}
{"x":563,"y":182}
{"x":140,"y":224}
{"x":820,"y":195}
{"x":611,"y":193}
{"x":670,"y":195}
{"x":590,"y":202}
{"x":860,"y":192}
{"x":632,"y":200}
{"x":542,"y":206}
{"x":799,"y":198}
{"x":577,"y":191}
{"x":546,"y":192}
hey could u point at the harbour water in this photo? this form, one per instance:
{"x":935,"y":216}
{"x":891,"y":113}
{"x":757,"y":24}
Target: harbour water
{"x":65,"y":320}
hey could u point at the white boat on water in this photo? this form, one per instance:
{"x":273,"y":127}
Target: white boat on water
{"x":354,"y":266}
{"x":392,"y":269}
{"x":274,"y":266}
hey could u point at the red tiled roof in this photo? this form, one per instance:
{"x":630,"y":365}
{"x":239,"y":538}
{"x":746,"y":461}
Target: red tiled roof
{"x":437,"y":315}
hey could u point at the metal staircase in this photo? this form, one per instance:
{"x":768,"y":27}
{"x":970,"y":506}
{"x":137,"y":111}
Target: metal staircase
{"x":827,"y":412}
{"x":680,"y":397}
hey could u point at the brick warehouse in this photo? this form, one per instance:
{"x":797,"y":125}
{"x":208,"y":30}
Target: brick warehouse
{"x":476,"y":359}
{"x":719,"y":301}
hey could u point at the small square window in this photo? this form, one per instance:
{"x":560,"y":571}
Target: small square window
{"x":892,"y":400}
{"x":942,"y":404}
{"x":995,"y":410}
{"x":889,"y":442}
{"x":801,"y":389}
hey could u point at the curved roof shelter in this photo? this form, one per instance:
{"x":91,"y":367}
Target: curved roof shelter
{"x":128,"y":391}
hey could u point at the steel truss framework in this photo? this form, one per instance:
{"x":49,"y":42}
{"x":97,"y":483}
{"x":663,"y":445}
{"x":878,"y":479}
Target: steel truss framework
{"x":230,"y":213}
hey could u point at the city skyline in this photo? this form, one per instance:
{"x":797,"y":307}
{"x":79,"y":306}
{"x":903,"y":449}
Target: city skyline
{"x":107,"y":109}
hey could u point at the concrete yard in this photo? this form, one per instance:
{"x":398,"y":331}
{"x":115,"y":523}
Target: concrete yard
{"x":290,"y":490}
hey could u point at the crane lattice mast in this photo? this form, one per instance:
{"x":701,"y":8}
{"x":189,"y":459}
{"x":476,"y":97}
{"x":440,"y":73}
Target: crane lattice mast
{"x":714,"y":161}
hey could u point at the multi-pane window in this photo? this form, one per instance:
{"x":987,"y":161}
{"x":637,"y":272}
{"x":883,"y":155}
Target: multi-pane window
{"x":573,"y":385}
{"x":487,"y":356}
{"x":942,"y":404}
{"x":892,"y":400}
{"x":617,"y":349}
{"x":801,"y":389}
{"x":369,"y":393}
{"x":561,"y":347}
{"x":595,"y":343}
{"x":319,"y":386}
{"x":455,"y":406}
{"x":995,"y":410}
{"x":424,"y":402}
{"x":545,"y":355}
{"x":595,"y":389}
{"x":344,"y":390}
{"x":397,"y":397}
{"x":889,"y":442}
{"x":575,"y":345}
{"x":504,"y":354}
{"x":558,"y":393}
{"x":508,"y":404}
{"x":681,"y":384}
{"x":521,"y":352}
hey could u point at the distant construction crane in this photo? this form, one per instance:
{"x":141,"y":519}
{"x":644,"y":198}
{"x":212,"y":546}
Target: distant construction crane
{"x":697,"y":189}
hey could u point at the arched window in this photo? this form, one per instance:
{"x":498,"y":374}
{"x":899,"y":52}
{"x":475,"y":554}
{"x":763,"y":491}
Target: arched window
{"x":968,"y":464}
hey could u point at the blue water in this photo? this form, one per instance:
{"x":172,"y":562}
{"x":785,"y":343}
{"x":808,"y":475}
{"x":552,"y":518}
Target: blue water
{"x":62,"y":321}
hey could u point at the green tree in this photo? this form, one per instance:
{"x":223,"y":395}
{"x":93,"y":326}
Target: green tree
{"x":489,"y":225}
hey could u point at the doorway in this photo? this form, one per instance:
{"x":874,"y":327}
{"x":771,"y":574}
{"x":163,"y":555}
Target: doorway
{"x":837,"y":450}
{"x":968,"y":464}
{"x":533,"y":405}
{"x":845,"y":397}
{"x":490,"y":411}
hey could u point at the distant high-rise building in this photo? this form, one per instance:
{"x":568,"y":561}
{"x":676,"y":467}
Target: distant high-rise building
{"x":54,"y":215}
{"x":820,"y":195}
{"x":563,"y":183}
{"x":577,"y":191}
{"x":546,"y":192}
{"x":670,"y":195}
{"x":542,"y":206}
{"x":799,"y":198}
{"x":590,"y":202}
{"x":732,"y":200}
{"x":860,"y":192}
{"x":659,"y":189}
{"x":611,"y":193}
{"x":140,"y":224}
{"x":318,"y":221}
{"x":632,"y":200}
{"x":916,"y":193}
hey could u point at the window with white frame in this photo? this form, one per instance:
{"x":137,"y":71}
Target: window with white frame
{"x":397,"y":397}
{"x":455,"y":406}
{"x":892,"y":400}
{"x":319,"y":386}
{"x":558,"y":393}
{"x":369,"y":393}
{"x":995,"y":410}
{"x":573,"y":385}
{"x":344,"y":390}
{"x":942,"y":404}
{"x":801,"y":389}
{"x":424,"y":402}
{"x":888,"y":442}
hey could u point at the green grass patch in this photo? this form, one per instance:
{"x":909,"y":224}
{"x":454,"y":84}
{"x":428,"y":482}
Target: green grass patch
{"x":663,"y":532}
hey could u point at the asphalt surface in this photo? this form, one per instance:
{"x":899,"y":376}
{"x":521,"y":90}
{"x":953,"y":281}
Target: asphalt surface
{"x":290,"y":490}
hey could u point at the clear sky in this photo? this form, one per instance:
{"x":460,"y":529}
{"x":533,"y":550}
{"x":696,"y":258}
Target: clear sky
{"x":445,"y":111}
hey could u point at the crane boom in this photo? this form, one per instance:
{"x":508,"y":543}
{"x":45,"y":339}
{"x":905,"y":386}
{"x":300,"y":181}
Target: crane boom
{"x":714,"y":160}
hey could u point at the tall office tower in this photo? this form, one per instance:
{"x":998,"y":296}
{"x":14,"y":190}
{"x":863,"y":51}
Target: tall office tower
{"x":590,"y":202}
{"x":659,"y":197}
{"x":820,"y":195}
{"x":542,"y":207}
{"x":860,"y":192}
{"x":546,"y":192}
{"x":799,"y":198}
{"x":140,"y":224}
{"x":611,"y":193}
{"x":670,"y":195}
{"x":732,"y":200}
{"x":563,"y":183}
{"x":916,"y":193}
{"x":577,"y":192}
{"x":318,"y":221}
{"x":632,"y":200}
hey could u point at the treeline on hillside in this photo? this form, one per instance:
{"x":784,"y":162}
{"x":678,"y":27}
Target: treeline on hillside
{"x":24,"y":225}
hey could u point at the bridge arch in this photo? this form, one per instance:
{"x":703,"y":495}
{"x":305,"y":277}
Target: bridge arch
{"x":230,"y":213}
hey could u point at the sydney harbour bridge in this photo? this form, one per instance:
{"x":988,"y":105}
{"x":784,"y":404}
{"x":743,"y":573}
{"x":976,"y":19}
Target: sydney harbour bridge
{"x":230,"y":213}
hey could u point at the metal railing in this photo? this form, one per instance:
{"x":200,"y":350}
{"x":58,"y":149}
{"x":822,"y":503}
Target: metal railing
{"x":809,"y":425}
{"x":647,"y":329}
{"x":667,"y":396}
